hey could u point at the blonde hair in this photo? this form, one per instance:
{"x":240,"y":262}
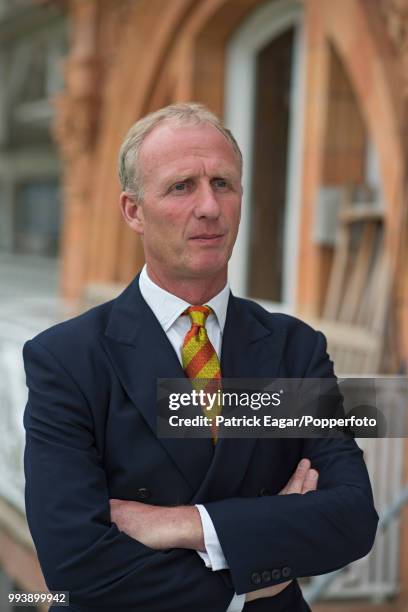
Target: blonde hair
{"x":191,"y":113}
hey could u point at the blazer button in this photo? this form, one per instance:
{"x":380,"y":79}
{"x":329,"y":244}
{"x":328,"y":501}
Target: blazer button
{"x":266,"y":576}
{"x":264,"y":491}
{"x":143,"y":493}
{"x":286,"y":572}
{"x":256,"y":578}
{"x":276,"y":574}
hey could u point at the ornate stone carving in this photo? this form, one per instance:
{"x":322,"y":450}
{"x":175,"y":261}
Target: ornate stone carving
{"x":77,"y":107}
{"x":97,"y":29}
{"x":75,"y":122}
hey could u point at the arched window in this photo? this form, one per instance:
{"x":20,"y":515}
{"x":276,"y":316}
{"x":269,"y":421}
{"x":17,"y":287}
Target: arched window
{"x":264,"y":95}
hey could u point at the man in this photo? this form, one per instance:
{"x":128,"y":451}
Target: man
{"x":125,"y":520}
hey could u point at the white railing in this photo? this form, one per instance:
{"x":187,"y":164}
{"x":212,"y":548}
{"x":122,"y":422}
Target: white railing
{"x":28,"y":304}
{"x":12,"y":401}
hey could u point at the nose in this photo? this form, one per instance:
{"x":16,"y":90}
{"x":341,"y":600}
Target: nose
{"x":207,"y":204}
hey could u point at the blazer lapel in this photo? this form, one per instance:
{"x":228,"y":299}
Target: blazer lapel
{"x":141,"y":353}
{"x":249,"y":350}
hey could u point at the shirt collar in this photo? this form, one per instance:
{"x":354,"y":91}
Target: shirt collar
{"x":168,"y":307}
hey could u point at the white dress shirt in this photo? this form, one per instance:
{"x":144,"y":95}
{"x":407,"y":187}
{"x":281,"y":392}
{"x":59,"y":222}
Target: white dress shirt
{"x":168,"y":308}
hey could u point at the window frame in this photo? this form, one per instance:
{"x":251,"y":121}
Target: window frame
{"x":263,"y":25}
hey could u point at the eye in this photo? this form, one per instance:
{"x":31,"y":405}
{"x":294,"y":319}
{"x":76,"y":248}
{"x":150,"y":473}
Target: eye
{"x":220,"y":183}
{"x":181,"y":187}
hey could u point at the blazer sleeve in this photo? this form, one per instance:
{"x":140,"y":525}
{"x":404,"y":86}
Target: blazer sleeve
{"x":308,"y":534}
{"x":67,"y":505}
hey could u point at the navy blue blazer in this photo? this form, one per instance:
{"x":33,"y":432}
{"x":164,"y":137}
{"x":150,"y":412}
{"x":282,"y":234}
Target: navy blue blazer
{"x":91,"y":435}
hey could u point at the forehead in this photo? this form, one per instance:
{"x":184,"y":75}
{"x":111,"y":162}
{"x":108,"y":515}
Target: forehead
{"x":170,"y":146}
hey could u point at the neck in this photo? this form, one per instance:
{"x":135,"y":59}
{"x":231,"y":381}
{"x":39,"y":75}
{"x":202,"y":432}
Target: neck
{"x":195,"y":291}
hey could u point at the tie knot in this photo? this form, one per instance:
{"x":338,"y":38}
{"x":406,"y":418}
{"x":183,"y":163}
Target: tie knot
{"x":198,"y":314}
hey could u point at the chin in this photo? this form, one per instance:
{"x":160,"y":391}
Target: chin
{"x":206,"y":269}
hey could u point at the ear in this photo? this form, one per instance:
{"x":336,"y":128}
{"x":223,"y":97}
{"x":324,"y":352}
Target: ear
{"x":132,"y":212}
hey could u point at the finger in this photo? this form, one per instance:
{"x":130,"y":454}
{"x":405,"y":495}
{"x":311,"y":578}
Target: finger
{"x":292,"y":483}
{"x":298,"y":478}
{"x":295,"y":483}
{"x":270,"y":591}
{"x":310,"y":482}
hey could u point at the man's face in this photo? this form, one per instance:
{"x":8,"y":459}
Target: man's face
{"x":190,"y":212}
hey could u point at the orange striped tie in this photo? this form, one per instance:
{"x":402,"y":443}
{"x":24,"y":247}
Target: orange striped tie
{"x":200,"y":361}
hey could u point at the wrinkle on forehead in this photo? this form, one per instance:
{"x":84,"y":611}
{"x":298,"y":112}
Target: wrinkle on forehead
{"x":173,"y":143}
{"x":184,"y":169}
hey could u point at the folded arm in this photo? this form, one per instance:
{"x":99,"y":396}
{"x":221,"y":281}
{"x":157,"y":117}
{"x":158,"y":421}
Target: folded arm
{"x":181,"y":527}
{"x":306,"y":534}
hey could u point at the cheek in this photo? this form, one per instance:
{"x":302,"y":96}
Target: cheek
{"x":174,"y":223}
{"x":233,"y":213}
{"x":158,"y":223}
{"x":165,"y":232}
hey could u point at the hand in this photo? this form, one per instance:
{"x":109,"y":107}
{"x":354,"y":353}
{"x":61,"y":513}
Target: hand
{"x":303,"y":480}
{"x":159,"y":527}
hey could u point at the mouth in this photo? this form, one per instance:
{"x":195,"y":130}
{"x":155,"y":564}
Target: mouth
{"x":207,"y":238}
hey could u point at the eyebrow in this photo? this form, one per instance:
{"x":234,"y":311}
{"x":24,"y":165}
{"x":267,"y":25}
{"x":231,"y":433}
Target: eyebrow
{"x":180,"y":178}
